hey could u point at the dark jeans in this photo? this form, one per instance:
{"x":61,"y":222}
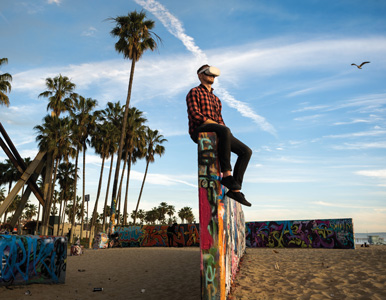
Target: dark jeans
{"x":227,"y":144}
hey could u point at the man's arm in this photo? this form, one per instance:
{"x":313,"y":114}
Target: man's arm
{"x":194,"y":108}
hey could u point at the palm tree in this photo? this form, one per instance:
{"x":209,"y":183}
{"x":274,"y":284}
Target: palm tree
{"x":190,"y":217}
{"x":102,"y":143}
{"x":3,"y":168}
{"x":53,"y":137}
{"x":162,"y":210}
{"x":112,"y":115}
{"x":30,"y":211}
{"x":78,"y":212}
{"x":153,"y":146}
{"x":2,"y":194}
{"x":150,"y":216}
{"x":10,"y":174}
{"x":60,"y":94}
{"x":133,"y":146}
{"x":5,"y":84}
{"x":85,"y":122}
{"x":55,"y":200}
{"x":186,"y":213}
{"x":134,"y":38}
{"x":170,"y":210}
{"x":2,"y":198}
{"x":66,"y":178}
{"x":14,"y":204}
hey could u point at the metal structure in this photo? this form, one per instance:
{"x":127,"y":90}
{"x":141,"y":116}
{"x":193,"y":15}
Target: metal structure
{"x":28,"y":175}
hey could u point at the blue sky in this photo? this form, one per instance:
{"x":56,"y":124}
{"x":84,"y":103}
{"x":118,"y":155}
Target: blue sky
{"x":315,"y":123}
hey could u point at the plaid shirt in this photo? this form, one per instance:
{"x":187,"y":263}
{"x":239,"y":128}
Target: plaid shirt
{"x":202,"y":105}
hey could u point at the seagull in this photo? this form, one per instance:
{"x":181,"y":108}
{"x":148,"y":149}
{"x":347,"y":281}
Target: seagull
{"x":360,"y":66}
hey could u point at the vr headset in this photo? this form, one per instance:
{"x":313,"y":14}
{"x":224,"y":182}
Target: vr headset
{"x":211,"y":71}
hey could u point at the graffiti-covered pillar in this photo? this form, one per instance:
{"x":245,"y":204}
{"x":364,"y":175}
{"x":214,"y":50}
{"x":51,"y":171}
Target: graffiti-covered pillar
{"x":222,"y":224}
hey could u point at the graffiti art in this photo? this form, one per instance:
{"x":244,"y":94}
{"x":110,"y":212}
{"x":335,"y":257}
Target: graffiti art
{"x":185,"y":235}
{"x":328,"y":233}
{"x":222,"y":225}
{"x":32,"y":259}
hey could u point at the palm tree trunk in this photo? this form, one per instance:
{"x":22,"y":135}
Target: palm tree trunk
{"x":60,"y":215}
{"x":63,"y":218}
{"x":61,"y":212}
{"x":47,"y":193}
{"x":123,"y":134}
{"x":83,"y":189}
{"x":37,"y":220}
{"x":94,"y":213}
{"x":74,"y":205}
{"x":127,"y":191}
{"x":120,"y":184}
{"x":140,"y":193}
{"x":107,"y":193}
{"x":53,"y":188}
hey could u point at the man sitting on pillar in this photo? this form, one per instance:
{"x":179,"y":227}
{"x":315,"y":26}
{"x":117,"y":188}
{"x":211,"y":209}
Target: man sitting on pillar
{"x":204,"y":114}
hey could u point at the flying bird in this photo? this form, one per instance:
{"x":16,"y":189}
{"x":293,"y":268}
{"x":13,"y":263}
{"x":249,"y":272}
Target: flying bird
{"x":360,"y":66}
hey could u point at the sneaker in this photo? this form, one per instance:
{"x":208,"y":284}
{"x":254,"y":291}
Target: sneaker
{"x":230,"y":183}
{"x":239,"y":197}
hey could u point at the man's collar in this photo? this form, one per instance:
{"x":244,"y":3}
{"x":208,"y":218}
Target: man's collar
{"x":204,"y":87}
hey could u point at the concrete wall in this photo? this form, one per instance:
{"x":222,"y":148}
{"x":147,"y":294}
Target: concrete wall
{"x":327,"y":233}
{"x":32,"y":259}
{"x":222,"y":225}
{"x":185,"y":235}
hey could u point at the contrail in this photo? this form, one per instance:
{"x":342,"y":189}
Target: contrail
{"x":174,"y":26}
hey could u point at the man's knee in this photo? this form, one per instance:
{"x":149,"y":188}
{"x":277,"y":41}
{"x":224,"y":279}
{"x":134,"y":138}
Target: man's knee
{"x":248,"y":152}
{"x":224,"y":132}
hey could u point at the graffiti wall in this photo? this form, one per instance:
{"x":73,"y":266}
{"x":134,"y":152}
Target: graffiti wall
{"x":32,"y":259}
{"x":100,"y":241}
{"x":222,"y":225}
{"x":331,"y":233}
{"x":183,"y":235}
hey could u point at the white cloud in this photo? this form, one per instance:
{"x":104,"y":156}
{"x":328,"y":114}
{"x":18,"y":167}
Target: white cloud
{"x":342,"y":205}
{"x":308,"y":118}
{"x":361,"y":146}
{"x":270,"y":57}
{"x":278,"y":179}
{"x":366,"y":103}
{"x":246,"y":111}
{"x":373,"y":173}
{"x":308,"y":108}
{"x":358,"y":134}
{"x":160,"y":179}
{"x":174,"y":26}
{"x":89,"y":31}
{"x":57,"y":2}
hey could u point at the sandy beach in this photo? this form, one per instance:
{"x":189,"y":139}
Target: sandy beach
{"x":174,"y":273}
{"x":312,"y":274}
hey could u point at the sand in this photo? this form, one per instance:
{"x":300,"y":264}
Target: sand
{"x":123,"y":273}
{"x":312,"y":274}
{"x":174,"y":273}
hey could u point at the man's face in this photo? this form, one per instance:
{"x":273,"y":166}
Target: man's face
{"x":206,"y":79}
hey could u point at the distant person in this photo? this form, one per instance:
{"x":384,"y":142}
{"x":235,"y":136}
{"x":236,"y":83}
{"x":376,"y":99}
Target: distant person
{"x":170,"y":232}
{"x":204,"y":114}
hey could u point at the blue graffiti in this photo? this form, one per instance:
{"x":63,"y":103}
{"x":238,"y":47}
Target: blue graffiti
{"x":30,"y":259}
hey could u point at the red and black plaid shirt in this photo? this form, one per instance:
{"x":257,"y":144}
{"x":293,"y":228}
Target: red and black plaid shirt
{"x":202,"y":105}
